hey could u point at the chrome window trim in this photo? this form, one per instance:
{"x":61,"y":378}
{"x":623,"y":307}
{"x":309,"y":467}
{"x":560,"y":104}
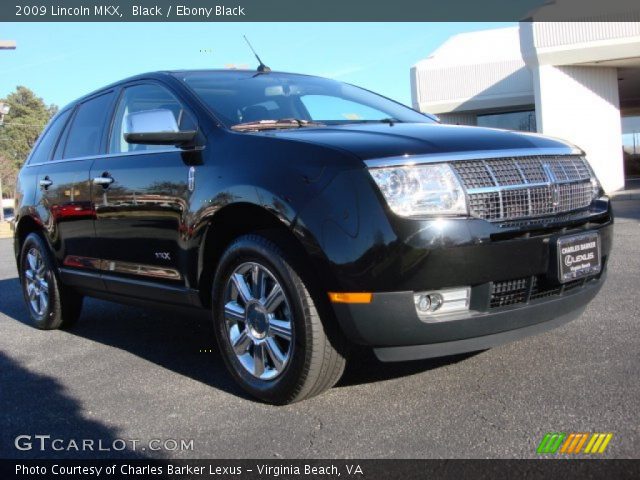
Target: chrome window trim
{"x":143,"y":82}
{"x":111,"y":155}
{"x":408,"y":160}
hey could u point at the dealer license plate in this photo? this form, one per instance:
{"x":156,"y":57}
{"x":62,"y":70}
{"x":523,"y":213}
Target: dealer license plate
{"x":578,"y":256}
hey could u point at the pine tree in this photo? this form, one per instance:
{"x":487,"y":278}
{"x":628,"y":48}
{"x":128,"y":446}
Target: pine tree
{"x":22,"y":126}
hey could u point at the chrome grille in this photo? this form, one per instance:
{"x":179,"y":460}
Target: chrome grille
{"x":525,"y":187}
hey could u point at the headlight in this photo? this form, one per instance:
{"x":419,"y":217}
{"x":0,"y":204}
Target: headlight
{"x":418,"y":190}
{"x":596,"y":187}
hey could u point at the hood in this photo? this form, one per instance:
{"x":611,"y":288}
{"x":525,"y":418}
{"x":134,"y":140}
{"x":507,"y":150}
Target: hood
{"x":369,"y":141}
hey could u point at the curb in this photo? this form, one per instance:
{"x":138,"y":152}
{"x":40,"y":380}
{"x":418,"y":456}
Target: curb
{"x":629,"y":195}
{"x":5,"y":230}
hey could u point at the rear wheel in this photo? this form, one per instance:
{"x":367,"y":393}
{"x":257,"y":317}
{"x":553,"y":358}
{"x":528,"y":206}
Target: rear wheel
{"x":269,"y":331}
{"x":49,"y":303}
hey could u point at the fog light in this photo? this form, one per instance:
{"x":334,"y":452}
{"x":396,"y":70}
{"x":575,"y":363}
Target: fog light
{"x":429,"y":303}
{"x":440,"y":302}
{"x":424,"y":303}
{"x":436,"y":301}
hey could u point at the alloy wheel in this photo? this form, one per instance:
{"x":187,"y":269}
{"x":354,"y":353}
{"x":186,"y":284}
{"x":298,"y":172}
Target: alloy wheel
{"x":258,"y":321}
{"x":36,"y":283}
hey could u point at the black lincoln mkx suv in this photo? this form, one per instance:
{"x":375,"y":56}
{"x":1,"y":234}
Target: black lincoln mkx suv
{"x":307,"y":215}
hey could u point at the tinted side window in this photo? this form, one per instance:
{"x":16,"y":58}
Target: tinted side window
{"x":87,"y":127}
{"x":139,"y":98}
{"x":47,"y":142}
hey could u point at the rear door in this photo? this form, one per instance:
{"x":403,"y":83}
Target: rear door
{"x":64,"y":204}
{"x":28,"y":192}
{"x":141,"y":195}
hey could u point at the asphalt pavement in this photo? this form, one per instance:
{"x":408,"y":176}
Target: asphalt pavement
{"x":126,"y":375}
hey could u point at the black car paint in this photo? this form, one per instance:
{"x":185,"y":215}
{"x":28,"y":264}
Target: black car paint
{"x":381,"y":140}
{"x":312,"y":181}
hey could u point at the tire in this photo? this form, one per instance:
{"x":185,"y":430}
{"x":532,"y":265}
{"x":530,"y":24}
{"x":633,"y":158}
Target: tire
{"x":301,"y":356}
{"x":50,"y":304}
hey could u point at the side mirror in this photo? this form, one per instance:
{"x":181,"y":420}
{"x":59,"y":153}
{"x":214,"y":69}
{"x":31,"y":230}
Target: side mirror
{"x":155,"y":127}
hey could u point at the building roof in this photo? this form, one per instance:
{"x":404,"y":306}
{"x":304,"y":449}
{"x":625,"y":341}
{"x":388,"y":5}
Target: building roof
{"x":473,"y":71}
{"x":484,"y":46}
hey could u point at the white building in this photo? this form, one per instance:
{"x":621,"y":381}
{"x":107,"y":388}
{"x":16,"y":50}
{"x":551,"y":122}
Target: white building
{"x":579,"y":81}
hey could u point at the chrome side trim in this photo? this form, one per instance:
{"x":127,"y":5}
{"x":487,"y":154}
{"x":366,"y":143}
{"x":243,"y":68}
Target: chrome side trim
{"x":82,"y":262}
{"x":129,"y":268}
{"x":406,"y":160}
{"x":142,"y":270}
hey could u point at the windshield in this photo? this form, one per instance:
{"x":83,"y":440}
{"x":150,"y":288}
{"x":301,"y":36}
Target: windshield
{"x":245,"y":97}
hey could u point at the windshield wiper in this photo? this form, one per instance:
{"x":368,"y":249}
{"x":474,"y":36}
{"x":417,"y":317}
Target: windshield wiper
{"x":274,"y":124}
{"x":390,"y":120}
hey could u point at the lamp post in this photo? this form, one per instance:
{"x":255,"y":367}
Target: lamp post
{"x":4,"y":109}
{"x":1,"y":202}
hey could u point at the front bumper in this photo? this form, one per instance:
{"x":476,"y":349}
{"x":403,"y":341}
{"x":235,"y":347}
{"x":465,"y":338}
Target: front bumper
{"x":397,"y":257}
{"x":390,"y":323}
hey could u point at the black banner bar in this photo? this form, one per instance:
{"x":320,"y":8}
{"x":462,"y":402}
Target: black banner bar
{"x":328,"y":469}
{"x":309,"y":11}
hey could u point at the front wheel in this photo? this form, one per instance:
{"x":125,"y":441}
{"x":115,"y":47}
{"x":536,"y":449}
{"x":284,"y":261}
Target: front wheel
{"x":50,"y":304}
{"x":271,"y":336}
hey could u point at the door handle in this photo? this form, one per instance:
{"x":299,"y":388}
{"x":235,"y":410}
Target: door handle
{"x":46,"y":182}
{"x":105,"y":180}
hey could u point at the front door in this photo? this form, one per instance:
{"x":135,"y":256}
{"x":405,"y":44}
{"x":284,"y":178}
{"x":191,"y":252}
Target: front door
{"x":141,"y":196}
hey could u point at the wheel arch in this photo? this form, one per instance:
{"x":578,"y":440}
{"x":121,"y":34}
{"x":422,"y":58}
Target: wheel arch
{"x":231,"y":222}
{"x":25,"y":225}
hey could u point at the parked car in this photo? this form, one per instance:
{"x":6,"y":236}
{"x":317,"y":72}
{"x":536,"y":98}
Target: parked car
{"x":8,"y":214}
{"x":307,"y":216}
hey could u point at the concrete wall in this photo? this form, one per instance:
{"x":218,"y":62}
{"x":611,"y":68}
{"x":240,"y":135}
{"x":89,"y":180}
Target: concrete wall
{"x":581,"y":105}
{"x":462,"y":118}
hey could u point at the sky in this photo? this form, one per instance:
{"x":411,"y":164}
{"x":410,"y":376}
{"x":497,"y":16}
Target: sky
{"x":62,"y":61}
